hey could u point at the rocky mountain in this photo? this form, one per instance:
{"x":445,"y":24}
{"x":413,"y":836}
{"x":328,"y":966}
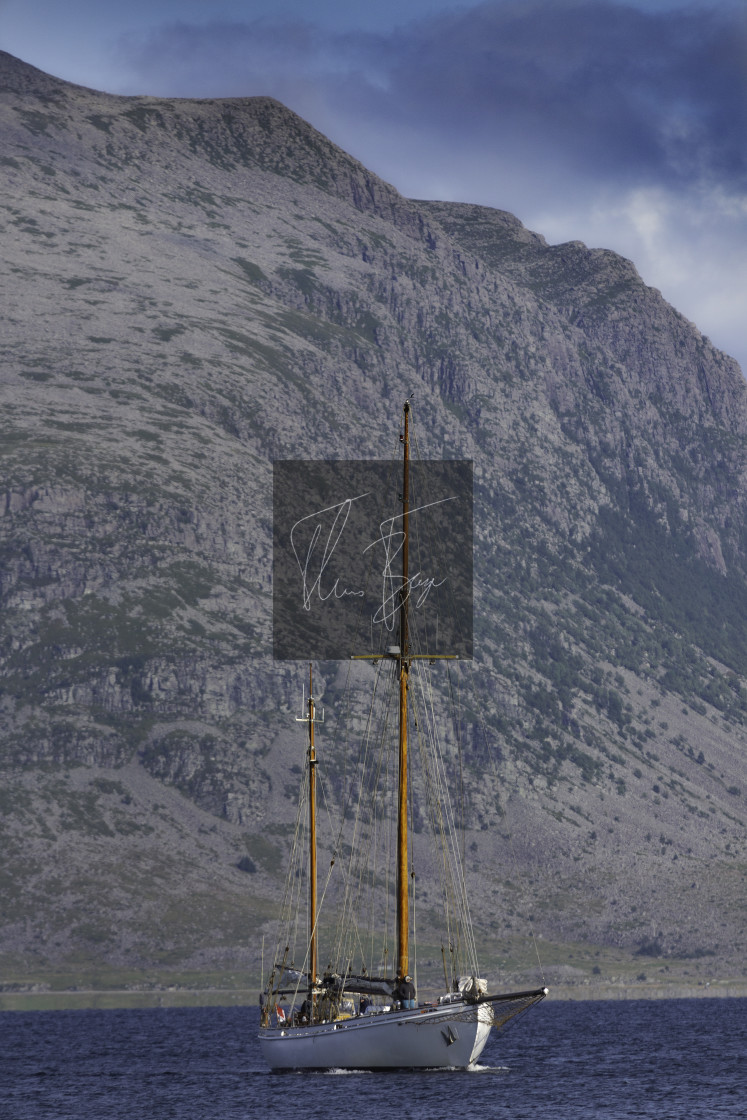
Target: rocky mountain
{"x":192,"y":289}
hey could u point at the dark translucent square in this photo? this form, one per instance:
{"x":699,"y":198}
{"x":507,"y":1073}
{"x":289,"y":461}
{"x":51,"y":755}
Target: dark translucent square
{"x":337,"y":558}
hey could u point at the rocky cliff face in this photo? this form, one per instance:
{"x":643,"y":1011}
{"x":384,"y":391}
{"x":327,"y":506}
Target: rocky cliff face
{"x":191,"y":289}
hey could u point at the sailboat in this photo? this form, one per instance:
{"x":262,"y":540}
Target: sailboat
{"x":360,"y":1011}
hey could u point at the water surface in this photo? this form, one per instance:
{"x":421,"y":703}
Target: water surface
{"x":664,"y":1059}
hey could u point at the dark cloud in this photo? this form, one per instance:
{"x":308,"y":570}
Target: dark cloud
{"x":611,"y":89}
{"x":603,"y":87}
{"x":619,"y":122}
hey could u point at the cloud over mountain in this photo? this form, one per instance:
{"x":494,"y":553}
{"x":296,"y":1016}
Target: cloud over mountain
{"x":592,"y":119}
{"x":612,"y":90}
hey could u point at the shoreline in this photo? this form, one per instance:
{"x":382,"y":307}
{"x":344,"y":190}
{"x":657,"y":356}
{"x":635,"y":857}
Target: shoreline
{"x":713,"y":989}
{"x":128,"y":999}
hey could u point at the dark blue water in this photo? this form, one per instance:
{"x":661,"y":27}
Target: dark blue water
{"x":672,"y":1060}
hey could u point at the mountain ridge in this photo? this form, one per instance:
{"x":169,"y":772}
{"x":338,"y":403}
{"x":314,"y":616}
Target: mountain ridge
{"x":192,"y":289}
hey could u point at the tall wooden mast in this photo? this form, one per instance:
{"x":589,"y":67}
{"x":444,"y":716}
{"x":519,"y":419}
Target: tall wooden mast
{"x":312,"y":847}
{"x":403,"y":908}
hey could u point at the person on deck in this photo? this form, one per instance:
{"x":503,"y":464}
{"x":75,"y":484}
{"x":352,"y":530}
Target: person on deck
{"x":307,"y":1011}
{"x":406,"y":994}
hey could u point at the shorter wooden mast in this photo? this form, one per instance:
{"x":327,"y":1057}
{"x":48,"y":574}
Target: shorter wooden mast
{"x":312,"y":848}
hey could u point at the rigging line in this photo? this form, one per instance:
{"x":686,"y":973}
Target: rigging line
{"x":286,"y":908}
{"x":453,"y":867}
{"x":294,"y":843}
{"x":319,"y":911}
{"x":414,"y":935}
{"x":377,"y":785}
{"x":306,"y":962}
{"x":369,"y":877}
{"x":438,"y":793}
{"x":349,"y":872}
{"x":356,"y":848}
{"x":376,"y":790}
{"x":456,"y":833}
{"x":465,"y":932}
{"x":352,"y":868}
{"x":458,"y":867}
{"x":368,"y":870}
{"x":435,"y":806}
{"x":514,"y":858}
{"x":385,"y":831}
{"x":436,"y":823}
{"x":341,"y":721}
{"x":453,"y":831}
{"x":457,"y":708}
{"x":322,"y":790}
{"x":456,"y":830}
{"x":437,"y":541}
{"x":297,"y":867}
{"x":370,"y":786}
{"x":291,"y":907}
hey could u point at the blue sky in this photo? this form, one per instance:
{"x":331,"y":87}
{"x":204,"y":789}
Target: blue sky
{"x":621,"y":123}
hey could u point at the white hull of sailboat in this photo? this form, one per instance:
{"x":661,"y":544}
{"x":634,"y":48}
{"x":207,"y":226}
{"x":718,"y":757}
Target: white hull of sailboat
{"x":444,"y":1036}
